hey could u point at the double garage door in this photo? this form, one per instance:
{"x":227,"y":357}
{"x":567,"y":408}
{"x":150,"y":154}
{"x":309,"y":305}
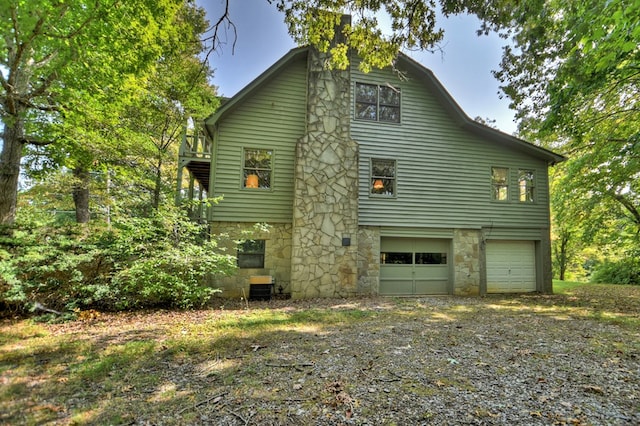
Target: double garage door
{"x":412,"y":266}
{"x":420,"y":266}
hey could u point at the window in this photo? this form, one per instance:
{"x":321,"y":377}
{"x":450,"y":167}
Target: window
{"x":431,"y":258}
{"x":395,"y":258}
{"x":526,"y":180}
{"x":251,"y":254}
{"x":405,"y":258}
{"x":257,"y":168}
{"x":377,"y":103}
{"x":499,"y":184}
{"x":383,"y":177}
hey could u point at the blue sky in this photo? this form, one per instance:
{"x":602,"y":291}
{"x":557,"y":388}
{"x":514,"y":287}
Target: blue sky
{"x":464,"y":66}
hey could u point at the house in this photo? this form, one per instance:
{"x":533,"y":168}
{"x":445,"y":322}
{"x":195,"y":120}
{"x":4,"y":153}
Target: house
{"x":371,"y":184}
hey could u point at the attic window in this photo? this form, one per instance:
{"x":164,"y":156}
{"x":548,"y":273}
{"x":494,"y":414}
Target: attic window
{"x":257,"y":168}
{"x":377,"y":103}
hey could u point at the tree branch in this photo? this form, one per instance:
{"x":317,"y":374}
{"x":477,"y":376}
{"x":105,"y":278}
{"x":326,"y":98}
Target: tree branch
{"x":215,"y":38}
{"x":628,"y":205}
{"x":31,"y":141}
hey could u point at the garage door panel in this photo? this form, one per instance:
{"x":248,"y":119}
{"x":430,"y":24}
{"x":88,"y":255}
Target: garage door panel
{"x":423,"y":271}
{"x":396,"y":272}
{"x":396,"y":287}
{"x":431,"y":286}
{"x":511,"y":266}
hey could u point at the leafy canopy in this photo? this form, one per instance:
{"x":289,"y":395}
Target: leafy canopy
{"x":572,"y":73}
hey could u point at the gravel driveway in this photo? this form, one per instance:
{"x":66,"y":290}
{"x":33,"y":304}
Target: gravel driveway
{"x":512,"y":360}
{"x":436,"y":361}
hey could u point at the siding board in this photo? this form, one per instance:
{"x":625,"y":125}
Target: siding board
{"x":443,"y":170}
{"x":272,"y":118}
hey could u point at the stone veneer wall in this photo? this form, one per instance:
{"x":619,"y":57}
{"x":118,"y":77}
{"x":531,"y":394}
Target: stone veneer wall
{"x":466,"y":262}
{"x":277,"y":261}
{"x":325,"y":189}
{"x":368,"y":260}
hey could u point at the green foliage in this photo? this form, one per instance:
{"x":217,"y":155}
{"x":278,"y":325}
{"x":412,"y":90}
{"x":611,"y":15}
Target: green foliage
{"x":623,"y":271}
{"x":168,"y":259}
{"x":413,"y":26}
{"x":571,"y":72}
{"x":68,"y":72}
{"x":162,"y":260}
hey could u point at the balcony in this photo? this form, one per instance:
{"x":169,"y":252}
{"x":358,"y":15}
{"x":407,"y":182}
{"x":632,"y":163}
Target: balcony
{"x":195,"y":156}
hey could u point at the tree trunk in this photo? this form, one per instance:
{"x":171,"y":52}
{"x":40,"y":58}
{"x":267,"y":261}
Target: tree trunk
{"x":81,"y":194}
{"x":563,"y":255}
{"x":155,"y":201}
{"x":10,"y":170}
{"x":562,"y":252}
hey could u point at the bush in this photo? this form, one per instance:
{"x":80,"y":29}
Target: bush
{"x":625,"y":271}
{"x":164,"y":260}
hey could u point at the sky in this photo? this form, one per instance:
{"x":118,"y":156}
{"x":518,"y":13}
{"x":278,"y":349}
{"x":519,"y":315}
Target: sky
{"x":464,"y":66}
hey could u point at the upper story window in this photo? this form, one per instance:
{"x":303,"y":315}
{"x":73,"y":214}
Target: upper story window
{"x":251,"y":254}
{"x":499,"y":183}
{"x":383,"y":177}
{"x":377,"y":103}
{"x":526,"y":184}
{"x":257,"y":168}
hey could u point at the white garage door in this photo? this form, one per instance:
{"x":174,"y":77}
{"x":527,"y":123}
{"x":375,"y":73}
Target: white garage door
{"x":412,"y":266}
{"x":511,"y":266}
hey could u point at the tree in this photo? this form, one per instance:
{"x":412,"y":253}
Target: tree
{"x":178,"y":90}
{"x":573,"y":75}
{"x":413,"y":26}
{"x":572,"y":72}
{"x":54,"y":55}
{"x":130,"y":133}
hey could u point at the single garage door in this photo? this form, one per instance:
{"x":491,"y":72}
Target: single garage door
{"x":511,"y":266}
{"x":412,"y":266}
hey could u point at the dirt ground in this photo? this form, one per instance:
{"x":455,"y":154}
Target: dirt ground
{"x":531,"y":360}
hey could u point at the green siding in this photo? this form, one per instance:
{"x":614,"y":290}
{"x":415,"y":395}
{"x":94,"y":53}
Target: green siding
{"x":272,"y":117}
{"x":443,"y":170}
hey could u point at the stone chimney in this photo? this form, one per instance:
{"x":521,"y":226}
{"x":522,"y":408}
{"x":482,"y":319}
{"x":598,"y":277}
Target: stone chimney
{"x":325,"y":210}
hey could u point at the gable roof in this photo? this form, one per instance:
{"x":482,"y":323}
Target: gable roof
{"x":452,"y":107}
{"x":258,"y":82}
{"x":428,"y":78}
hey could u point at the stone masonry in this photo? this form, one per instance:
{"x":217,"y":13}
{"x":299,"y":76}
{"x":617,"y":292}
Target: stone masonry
{"x":277,"y":255}
{"x":325,"y":211}
{"x":466,"y":262}
{"x":368,"y":260}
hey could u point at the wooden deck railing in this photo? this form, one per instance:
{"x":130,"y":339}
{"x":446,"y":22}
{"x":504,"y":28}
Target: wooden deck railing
{"x":195,"y":145}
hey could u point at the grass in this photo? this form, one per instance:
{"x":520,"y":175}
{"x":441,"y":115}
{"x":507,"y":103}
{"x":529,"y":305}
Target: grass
{"x":565,"y":287}
{"x":118,"y":367}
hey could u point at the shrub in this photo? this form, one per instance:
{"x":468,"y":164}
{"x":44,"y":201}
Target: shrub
{"x":162,"y":260}
{"x":625,"y":271}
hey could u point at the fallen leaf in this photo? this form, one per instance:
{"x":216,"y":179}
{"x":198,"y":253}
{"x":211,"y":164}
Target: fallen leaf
{"x":592,"y":389}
